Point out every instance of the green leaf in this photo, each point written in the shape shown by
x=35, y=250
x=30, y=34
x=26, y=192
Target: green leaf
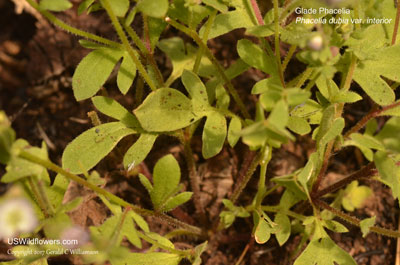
x=346, y=97
x=229, y=21
x=235, y=126
x=197, y=92
x=146, y=183
x=253, y=55
x=86, y=150
x=308, y=170
x=214, y=134
x=120, y=7
x=156, y=27
x=85, y=4
x=166, y=177
x=177, y=200
x=126, y=74
x=189, y=12
x=388, y=172
x=279, y=115
x=154, y=258
x=7, y=138
x=298, y=125
x=199, y=249
x=93, y=71
x=55, y=5
x=183, y=57
x=112, y=108
x=165, y=109
x=392, y=111
x=335, y=226
x=355, y=196
x=139, y=150
x=153, y=8
x=261, y=30
x=366, y=224
x=139, y=221
x=283, y=228
x=389, y=135
x=368, y=74
x=262, y=232
x=324, y=251
x=217, y=4
x=335, y=130
x=18, y=168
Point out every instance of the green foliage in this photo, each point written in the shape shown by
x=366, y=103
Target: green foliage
x=166, y=177
x=99, y=63
x=312, y=107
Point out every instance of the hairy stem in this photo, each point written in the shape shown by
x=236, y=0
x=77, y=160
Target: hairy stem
x=40, y=197
x=396, y=24
x=126, y=45
x=51, y=166
x=193, y=176
x=184, y=253
x=200, y=51
x=367, y=171
x=248, y=168
x=277, y=42
x=231, y=90
x=53, y=19
x=355, y=221
x=288, y=57
x=375, y=112
x=149, y=55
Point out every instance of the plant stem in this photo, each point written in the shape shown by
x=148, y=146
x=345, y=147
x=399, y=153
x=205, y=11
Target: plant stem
x=304, y=76
x=149, y=55
x=367, y=171
x=232, y=91
x=200, y=51
x=279, y=209
x=193, y=176
x=266, y=157
x=126, y=45
x=53, y=19
x=248, y=168
x=288, y=57
x=51, y=166
x=355, y=221
x=257, y=12
x=184, y=253
x=277, y=42
x=375, y=112
x=396, y=24
x=40, y=197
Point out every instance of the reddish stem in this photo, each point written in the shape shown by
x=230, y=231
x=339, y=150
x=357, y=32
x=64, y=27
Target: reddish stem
x=257, y=12
x=396, y=24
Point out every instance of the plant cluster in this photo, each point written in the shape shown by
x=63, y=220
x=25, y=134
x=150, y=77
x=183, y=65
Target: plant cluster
x=199, y=97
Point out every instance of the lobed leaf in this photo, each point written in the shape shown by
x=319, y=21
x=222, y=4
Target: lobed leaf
x=165, y=109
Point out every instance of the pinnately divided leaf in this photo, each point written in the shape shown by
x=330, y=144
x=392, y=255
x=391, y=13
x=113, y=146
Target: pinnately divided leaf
x=165, y=109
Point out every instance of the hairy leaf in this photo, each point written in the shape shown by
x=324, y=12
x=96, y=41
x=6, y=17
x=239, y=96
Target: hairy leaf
x=166, y=177
x=139, y=150
x=55, y=5
x=153, y=8
x=86, y=150
x=126, y=74
x=93, y=71
x=165, y=109
x=214, y=134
